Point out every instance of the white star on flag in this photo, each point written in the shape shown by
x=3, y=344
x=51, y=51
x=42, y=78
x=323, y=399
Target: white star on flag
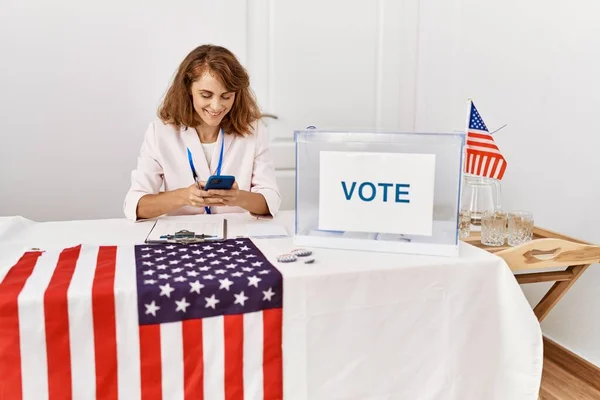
x=165, y=290
x=268, y=294
x=152, y=308
x=240, y=299
x=211, y=301
x=253, y=281
x=182, y=305
x=225, y=283
x=196, y=286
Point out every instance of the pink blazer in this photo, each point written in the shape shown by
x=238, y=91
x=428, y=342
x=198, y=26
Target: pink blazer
x=163, y=163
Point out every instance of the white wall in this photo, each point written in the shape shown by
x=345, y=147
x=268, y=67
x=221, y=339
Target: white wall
x=533, y=65
x=79, y=84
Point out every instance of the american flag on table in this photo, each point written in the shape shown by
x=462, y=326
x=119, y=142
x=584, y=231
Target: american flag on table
x=196, y=321
x=483, y=156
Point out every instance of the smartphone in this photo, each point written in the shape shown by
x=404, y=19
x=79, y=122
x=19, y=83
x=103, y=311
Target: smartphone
x=221, y=182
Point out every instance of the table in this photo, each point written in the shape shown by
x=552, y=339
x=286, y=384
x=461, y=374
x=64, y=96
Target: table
x=548, y=249
x=359, y=325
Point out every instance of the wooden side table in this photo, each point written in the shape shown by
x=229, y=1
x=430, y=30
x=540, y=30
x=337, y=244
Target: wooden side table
x=547, y=250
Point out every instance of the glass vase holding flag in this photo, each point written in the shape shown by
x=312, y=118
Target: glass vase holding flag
x=483, y=169
x=480, y=195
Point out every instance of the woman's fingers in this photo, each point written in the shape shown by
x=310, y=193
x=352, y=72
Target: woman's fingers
x=205, y=201
x=225, y=193
x=221, y=193
x=214, y=201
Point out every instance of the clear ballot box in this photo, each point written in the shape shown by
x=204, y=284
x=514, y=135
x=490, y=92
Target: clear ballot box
x=379, y=191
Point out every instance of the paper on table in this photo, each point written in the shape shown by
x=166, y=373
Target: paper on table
x=260, y=229
x=169, y=227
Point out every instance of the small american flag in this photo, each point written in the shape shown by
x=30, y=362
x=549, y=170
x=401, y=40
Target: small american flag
x=483, y=156
x=196, y=321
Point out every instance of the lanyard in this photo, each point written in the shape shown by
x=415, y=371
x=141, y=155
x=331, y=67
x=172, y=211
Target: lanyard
x=207, y=209
x=218, y=173
x=221, y=154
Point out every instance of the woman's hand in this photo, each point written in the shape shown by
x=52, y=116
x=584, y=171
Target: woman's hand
x=200, y=198
x=233, y=197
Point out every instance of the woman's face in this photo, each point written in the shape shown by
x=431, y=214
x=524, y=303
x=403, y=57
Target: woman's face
x=211, y=99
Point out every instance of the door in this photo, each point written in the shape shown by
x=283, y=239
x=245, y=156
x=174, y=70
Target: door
x=333, y=65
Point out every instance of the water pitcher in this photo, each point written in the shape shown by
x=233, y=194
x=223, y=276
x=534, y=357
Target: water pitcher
x=480, y=194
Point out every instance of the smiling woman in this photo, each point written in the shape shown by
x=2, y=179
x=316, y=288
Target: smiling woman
x=210, y=94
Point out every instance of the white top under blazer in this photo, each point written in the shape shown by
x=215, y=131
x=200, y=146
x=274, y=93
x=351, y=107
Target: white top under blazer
x=163, y=163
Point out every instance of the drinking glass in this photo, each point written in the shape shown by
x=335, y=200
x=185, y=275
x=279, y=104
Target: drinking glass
x=493, y=228
x=520, y=227
x=464, y=224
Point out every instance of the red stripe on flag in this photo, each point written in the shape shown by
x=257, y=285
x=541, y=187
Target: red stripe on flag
x=193, y=360
x=487, y=164
x=10, y=343
x=150, y=362
x=234, y=356
x=105, y=327
x=479, y=135
x=481, y=144
x=494, y=166
x=502, y=169
x=479, y=161
x=56, y=316
x=470, y=163
x=272, y=355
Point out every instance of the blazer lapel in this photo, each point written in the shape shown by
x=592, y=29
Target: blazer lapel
x=192, y=141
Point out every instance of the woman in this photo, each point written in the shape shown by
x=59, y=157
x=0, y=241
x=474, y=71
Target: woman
x=208, y=111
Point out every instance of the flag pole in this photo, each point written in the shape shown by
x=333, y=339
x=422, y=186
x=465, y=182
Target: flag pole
x=468, y=117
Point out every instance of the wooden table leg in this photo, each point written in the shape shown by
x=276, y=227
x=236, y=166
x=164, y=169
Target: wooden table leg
x=557, y=291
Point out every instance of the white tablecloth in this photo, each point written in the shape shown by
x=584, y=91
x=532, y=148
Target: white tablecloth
x=369, y=326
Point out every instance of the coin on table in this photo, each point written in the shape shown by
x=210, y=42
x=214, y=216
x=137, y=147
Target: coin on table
x=301, y=252
x=286, y=258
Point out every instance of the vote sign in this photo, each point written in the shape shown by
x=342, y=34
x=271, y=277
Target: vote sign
x=376, y=192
